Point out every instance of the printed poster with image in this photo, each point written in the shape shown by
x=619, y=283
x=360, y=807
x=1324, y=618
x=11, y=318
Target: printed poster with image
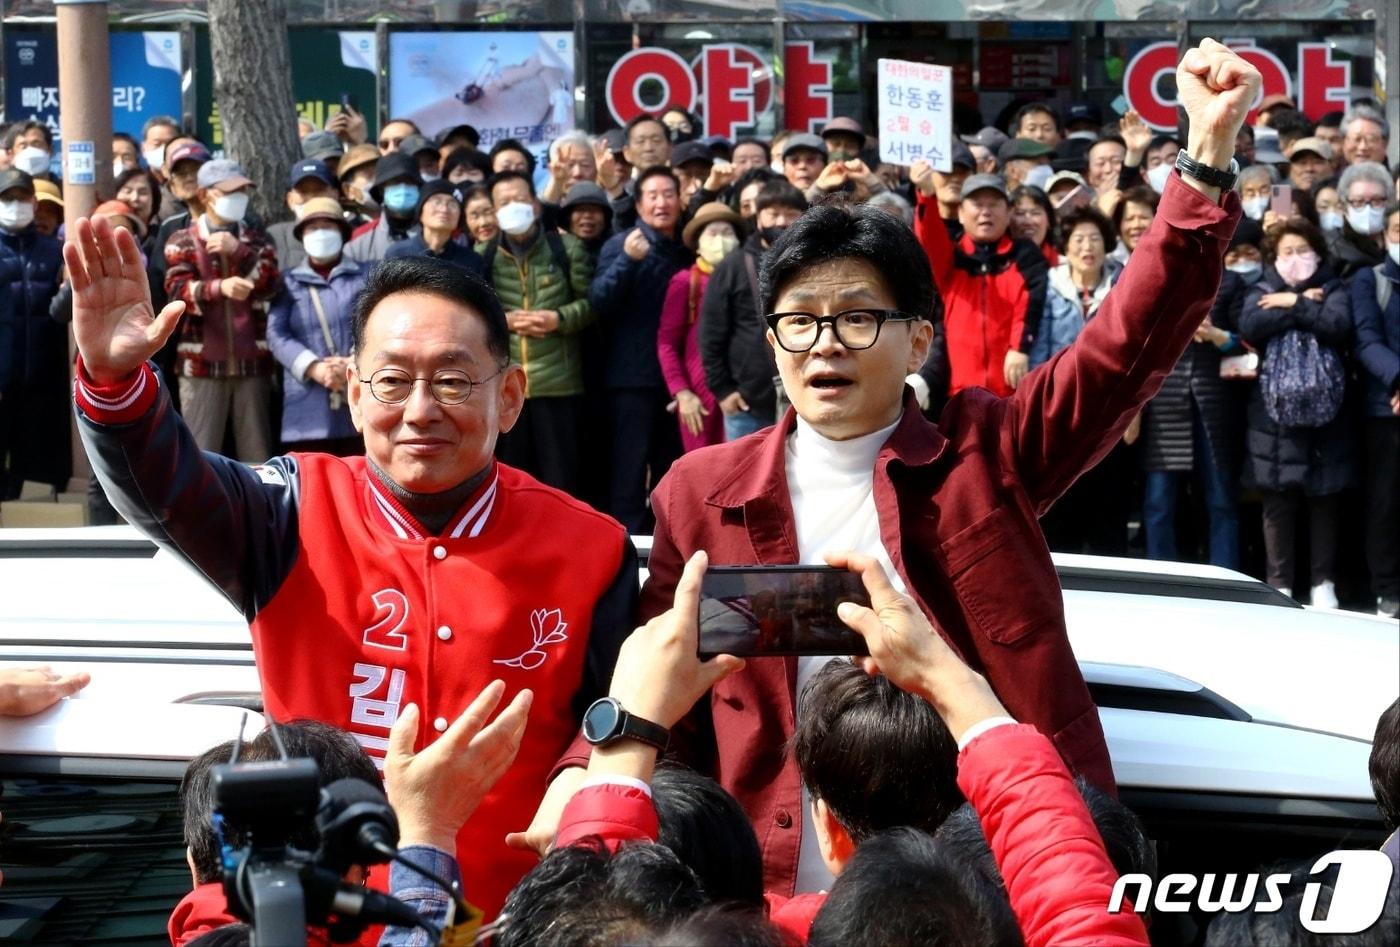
x=506, y=85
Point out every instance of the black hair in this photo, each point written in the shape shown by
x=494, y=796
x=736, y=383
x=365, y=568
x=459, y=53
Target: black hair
x=1260, y=926
x=432, y=277
x=466, y=158
x=710, y=832
x=724, y=925
x=1122, y=832
x=900, y=887
x=876, y=755
x=1033, y=108
x=750, y=140
x=641, y=118
x=1297, y=227
x=472, y=193
x=696, y=126
x=229, y=935
x=838, y=231
x=1384, y=764
x=778, y=192
x=512, y=144
x=1041, y=199
x=503, y=176
x=123, y=136
x=1291, y=124
x=405, y=121
x=1393, y=207
x=580, y=896
x=15, y=130
x=1086, y=214
x=120, y=182
x=1142, y=194
x=197, y=804
x=657, y=171
x=1332, y=119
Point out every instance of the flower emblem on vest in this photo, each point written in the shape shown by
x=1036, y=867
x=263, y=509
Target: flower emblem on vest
x=547, y=626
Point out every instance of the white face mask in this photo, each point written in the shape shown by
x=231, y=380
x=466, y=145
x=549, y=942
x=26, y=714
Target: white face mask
x=1366, y=220
x=715, y=247
x=322, y=244
x=231, y=207
x=1038, y=176
x=1330, y=220
x=1394, y=250
x=16, y=215
x=516, y=218
x=32, y=161
x=429, y=176
x=1254, y=207
x=155, y=157
x=1157, y=177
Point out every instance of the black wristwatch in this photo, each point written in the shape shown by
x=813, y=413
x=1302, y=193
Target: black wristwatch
x=605, y=723
x=1191, y=168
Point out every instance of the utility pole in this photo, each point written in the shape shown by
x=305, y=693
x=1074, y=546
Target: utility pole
x=85, y=125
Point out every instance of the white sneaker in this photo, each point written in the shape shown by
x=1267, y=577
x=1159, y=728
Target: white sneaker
x=1324, y=595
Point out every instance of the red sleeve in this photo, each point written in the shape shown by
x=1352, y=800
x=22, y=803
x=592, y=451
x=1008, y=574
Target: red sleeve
x=611, y=812
x=796, y=914
x=119, y=403
x=1051, y=857
x=670, y=335
x=933, y=235
x=267, y=279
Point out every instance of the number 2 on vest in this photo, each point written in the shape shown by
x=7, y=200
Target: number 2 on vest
x=392, y=607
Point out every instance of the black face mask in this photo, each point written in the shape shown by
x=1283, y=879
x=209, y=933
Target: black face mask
x=770, y=235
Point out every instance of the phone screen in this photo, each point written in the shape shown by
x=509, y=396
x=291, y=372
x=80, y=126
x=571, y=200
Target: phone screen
x=1281, y=200
x=778, y=610
x=1076, y=198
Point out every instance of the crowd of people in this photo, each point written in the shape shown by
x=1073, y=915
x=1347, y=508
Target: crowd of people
x=954, y=786
x=630, y=280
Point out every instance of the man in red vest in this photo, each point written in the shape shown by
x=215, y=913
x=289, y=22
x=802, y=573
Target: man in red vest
x=417, y=574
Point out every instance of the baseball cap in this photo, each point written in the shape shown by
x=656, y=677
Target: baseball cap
x=48, y=191
x=223, y=173
x=1060, y=176
x=984, y=182
x=121, y=209
x=688, y=151
x=803, y=141
x=988, y=137
x=322, y=145
x=416, y=144
x=192, y=151
x=1083, y=112
x=843, y=126
x=1315, y=146
x=12, y=178
x=1014, y=148
x=311, y=169
x=962, y=155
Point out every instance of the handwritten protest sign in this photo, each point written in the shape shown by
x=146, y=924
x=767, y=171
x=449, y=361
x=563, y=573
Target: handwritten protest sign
x=916, y=113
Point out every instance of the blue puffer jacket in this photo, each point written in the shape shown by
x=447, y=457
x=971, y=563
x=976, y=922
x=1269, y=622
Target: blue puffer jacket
x=627, y=295
x=31, y=344
x=1064, y=317
x=295, y=337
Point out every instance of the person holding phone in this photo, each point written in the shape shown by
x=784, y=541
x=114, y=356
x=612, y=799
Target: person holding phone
x=949, y=509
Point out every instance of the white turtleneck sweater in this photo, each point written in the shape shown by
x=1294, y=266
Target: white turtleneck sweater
x=831, y=484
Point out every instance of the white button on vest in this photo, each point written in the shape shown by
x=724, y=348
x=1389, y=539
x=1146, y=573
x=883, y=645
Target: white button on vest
x=439, y=552
x=440, y=724
x=445, y=633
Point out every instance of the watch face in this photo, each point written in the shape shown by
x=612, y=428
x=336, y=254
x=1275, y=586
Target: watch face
x=600, y=721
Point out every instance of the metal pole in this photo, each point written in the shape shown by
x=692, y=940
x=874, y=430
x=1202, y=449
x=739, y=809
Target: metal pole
x=85, y=121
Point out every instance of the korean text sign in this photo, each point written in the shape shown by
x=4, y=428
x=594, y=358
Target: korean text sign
x=916, y=113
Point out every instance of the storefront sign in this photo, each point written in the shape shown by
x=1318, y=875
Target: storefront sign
x=145, y=67
x=729, y=84
x=1322, y=86
x=916, y=113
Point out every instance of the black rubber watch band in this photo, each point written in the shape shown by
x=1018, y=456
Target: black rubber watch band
x=1191, y=168
x=644, y=731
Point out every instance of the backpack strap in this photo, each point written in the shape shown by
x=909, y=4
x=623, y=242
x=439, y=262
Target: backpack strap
x=561, y=259
x=488, y=260
x=1383, y=288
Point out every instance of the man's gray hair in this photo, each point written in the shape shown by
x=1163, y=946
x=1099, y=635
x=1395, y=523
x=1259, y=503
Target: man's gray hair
x=1364, y=171
x=575, y=138
x=892, y=203
x=156, y=121
x=1360, y=112
x=1267, y=171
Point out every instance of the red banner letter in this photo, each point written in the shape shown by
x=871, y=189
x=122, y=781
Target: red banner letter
x=1277, y=81
x=806, y=88
x=728, y=84
x=1323, y=85
x=1140, y=79
x=628, y=73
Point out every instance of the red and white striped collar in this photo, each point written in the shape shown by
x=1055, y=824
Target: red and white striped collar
x=385, y=510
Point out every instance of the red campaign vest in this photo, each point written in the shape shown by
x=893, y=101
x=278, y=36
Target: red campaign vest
x=374, y=616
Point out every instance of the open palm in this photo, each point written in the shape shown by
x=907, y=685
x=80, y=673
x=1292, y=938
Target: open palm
x=114, y=322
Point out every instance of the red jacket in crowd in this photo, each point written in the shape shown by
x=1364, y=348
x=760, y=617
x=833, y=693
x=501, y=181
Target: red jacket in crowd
x=992, y=299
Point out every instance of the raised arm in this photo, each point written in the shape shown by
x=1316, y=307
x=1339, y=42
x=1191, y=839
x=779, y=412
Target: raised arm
x=1063, y=418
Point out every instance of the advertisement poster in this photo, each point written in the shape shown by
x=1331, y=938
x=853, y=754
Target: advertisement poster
x=326, y=64
x=507, y=85
x=145, y=68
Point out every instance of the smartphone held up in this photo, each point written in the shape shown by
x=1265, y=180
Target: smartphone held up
x=756, y=611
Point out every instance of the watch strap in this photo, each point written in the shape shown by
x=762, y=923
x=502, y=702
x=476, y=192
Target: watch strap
x=644, y=731
x=1191, y=168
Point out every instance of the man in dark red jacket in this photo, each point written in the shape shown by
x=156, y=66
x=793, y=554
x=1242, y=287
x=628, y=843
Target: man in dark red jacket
x=950, y=510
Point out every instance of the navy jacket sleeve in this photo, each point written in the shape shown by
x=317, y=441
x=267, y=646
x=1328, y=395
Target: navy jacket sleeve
x=236, y=525
x=612, y=280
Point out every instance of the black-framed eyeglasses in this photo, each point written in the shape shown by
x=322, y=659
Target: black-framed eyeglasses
x=450, y=386
x=854, y=328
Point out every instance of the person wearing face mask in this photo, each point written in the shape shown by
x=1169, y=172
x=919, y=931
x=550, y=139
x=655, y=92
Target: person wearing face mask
x=396, y=188
x=734, y=350
x=1375, y=311
x=713, y=233
x=30, y=145
x=1254, y=184
x=33, y=348
x=439, y=223
x=125, y=154
x=1365, y=190
x=1243, y=257
x=542, y=278
x=156, y=135
x=1331, y=212
x=309, y=333
x=1297, y=465
x=225, y=272
x=308, y=180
